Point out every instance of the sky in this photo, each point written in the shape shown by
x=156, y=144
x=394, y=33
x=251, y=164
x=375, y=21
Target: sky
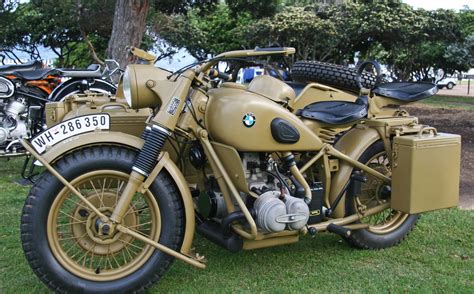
x=435, y=4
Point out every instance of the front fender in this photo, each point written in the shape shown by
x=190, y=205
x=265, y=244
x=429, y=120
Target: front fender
x=120, y=139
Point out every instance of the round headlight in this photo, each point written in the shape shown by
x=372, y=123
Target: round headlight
x=127, y=88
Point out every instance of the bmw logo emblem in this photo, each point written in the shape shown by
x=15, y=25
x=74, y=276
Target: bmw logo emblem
x=249, y=120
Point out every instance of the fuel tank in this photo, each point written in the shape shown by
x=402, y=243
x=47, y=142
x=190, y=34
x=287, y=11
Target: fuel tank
x=250, y=122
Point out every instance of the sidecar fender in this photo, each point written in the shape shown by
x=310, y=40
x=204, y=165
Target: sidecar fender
x=353, y=144
x=120, y=139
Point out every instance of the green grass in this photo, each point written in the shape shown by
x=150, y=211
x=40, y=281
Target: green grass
x=438, y=256
x=450, y=102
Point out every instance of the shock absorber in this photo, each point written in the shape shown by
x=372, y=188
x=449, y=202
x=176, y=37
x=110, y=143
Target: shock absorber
x=155, y=138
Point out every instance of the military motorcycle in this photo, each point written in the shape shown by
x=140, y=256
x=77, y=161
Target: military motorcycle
x=112, y=211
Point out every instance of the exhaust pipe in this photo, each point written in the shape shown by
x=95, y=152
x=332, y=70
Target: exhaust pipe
x=214, y=232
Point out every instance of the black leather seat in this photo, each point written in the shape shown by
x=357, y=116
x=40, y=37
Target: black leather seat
x=92, y=71
x=10, y=68
x=31, y=75
x=406, y=91
x=336, y=112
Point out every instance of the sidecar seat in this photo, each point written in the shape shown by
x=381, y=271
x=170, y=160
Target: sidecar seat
x=406, y=91
x=336, y=112
x=272, y=88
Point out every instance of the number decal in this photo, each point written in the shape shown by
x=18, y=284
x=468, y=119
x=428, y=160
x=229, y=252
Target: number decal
x=88, y=122
x=63, y=127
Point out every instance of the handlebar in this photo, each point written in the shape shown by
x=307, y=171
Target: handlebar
x=213, y=73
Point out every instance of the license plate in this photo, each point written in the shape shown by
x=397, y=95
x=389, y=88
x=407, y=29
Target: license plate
x=70, y=128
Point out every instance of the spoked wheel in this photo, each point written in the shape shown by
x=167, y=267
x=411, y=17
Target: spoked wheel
x=73, y=228
x=60, y=233
x=388, y=227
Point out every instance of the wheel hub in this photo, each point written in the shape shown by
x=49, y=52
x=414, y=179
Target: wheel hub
x=91, y=234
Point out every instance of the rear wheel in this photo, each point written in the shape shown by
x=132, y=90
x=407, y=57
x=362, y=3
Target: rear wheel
x=386, y=228
x=450, y=85
x=73, y=87
x=59, y=232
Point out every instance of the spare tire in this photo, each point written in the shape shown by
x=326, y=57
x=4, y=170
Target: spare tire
x=330, y=74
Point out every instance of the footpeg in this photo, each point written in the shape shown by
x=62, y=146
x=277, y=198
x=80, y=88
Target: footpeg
x=341, y=231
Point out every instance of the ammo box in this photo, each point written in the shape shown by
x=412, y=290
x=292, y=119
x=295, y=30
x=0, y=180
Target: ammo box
x=426, y=172
x=123, y=118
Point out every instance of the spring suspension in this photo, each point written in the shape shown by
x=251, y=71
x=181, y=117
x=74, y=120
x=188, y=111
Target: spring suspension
x=155, y=138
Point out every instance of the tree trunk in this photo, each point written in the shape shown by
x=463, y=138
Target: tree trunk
x=128, y=29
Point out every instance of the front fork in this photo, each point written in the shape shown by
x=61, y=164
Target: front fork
x=155, y=138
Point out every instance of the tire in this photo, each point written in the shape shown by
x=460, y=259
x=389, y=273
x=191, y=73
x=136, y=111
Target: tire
x=376, y=236
x=72, y=87
x=450, y=86
x=162, y=203
x=330, y=74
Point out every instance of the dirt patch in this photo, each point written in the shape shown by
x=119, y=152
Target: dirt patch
x=456, y=121
x=459, y=90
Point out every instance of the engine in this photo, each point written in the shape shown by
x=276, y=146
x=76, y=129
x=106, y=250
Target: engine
x=13, y=117
x=275, y=209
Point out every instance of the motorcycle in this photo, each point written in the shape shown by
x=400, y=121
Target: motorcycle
x=112, y=211
x=24, y=90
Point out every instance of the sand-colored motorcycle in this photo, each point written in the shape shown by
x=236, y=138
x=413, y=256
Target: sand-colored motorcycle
x=112, y=211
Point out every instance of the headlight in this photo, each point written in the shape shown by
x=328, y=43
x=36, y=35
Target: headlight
x=143, y=85
x=127, y=88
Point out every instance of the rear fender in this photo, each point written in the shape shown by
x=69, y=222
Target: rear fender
x=353, y=144
x=120, y=139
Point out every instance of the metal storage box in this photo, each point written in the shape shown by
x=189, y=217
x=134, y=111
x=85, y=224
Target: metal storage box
x=426, y=172
x=123, y=118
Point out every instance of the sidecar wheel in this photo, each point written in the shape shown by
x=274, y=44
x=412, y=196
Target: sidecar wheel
x=330, y=74
x=387, y=228
x=59, y=232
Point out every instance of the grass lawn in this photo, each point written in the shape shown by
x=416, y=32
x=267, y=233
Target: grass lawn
x=438, y=256
x=450, y=102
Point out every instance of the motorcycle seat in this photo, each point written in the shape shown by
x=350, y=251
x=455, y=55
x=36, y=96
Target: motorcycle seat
x=406, y=91
x=31, y=75
x=10, y=68
x=336, y=112
x=92, y=71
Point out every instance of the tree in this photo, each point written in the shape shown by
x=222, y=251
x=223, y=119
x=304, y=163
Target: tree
x=128, y=28
x=201, y=35
x=55, y=24
x=314, y=38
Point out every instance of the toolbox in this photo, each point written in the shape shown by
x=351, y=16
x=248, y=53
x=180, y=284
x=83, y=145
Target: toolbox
x=426, y=171
x=123, y=118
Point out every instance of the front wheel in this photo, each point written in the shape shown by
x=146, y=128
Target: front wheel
x=386, y=228
x=59, y=232
x=450, y=85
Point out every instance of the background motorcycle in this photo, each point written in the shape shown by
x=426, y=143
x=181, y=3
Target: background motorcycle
x=25, y=88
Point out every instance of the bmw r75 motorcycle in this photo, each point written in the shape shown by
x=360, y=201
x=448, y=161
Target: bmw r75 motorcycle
x=112, y=211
